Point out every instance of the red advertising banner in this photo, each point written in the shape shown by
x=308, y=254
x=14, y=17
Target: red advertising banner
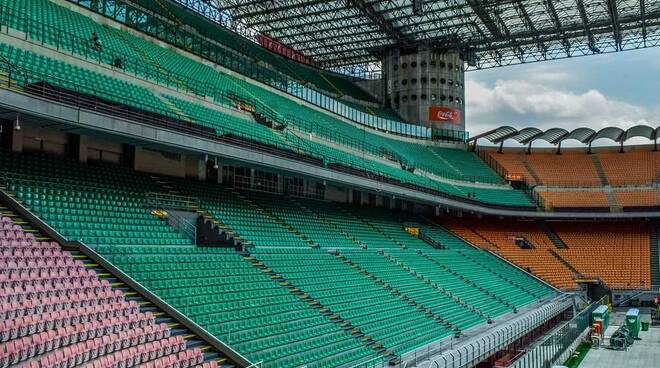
x=278, y=47
x=444, y=114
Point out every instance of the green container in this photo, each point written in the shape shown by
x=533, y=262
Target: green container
x=645, y=326
x=633, y=322
x=602, y=314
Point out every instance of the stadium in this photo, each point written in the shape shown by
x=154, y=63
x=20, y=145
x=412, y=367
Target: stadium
x=290, y=183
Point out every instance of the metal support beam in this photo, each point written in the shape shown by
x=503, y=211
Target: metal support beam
x=642, y=14
x=585, y=22
x=383, y=24
x=614, y=17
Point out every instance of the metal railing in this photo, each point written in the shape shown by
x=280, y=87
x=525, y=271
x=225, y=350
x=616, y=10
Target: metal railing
x=469, y=353
x=171, y=201
x=58, y=89
x=63, y=40
x=183, y=225
x=547, y=351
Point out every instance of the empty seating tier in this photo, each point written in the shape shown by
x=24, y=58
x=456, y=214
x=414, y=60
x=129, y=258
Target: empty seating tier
x=224, y=293
x=575, y=168
x=288, y=302
x=82, y=204
x=574, y=199
x=55, y=311
x=500, y=237
x=388, y=155
x=616, y=252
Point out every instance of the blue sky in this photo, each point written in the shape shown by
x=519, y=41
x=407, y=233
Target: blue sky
x=620, y=89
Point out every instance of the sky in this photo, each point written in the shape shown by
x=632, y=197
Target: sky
x=619, y=89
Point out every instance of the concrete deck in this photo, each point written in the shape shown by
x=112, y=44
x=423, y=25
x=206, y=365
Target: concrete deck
x=644, y=353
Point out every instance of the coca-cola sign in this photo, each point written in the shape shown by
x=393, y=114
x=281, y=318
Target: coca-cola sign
x=444, y=114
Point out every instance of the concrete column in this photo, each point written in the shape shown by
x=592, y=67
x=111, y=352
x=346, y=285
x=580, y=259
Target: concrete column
x=82, y=149
x=201, y=169
x=17, y=135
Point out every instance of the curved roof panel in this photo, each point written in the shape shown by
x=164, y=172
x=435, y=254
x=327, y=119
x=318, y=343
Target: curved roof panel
x=613, y=133
x=500, y=134
x=640, y=131
x=580, y=134
x=526, y=135
x=553, y=135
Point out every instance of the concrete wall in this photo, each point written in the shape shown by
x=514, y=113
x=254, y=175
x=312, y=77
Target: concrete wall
x=155, y=162
x=374, y=87
x=336, y=194
x=38, y=139
x=100, y=149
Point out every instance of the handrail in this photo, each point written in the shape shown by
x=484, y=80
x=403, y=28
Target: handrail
x=81, y=47
x=69, y=42
x=545, y=354
x=170, y=78
x=254, y=69
x=171, y=201
x=187, y=228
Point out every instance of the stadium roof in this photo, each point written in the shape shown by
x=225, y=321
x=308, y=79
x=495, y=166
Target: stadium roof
x=498, y=32
x=556, y=136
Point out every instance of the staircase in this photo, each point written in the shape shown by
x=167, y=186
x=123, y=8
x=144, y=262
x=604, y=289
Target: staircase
x=552, y=235
x=264, y=120
x=655, y=253
x=524, y=243
x=470, y=283
x=441, y=289
x=430, y=241
x=447, y=163
x=599, y=170
x=130, y=294
x=565, y=263
x=326, y=221
x=223, y=233
x=374, y=228
x=498, y=275
x=6, y=82
x=172, y=106
x=334, y=317
x=530, y=169
x=192, y=340
x=399, y=294
x=611, y=199
x=222, y=228
x=175, y=79
x=275, y=218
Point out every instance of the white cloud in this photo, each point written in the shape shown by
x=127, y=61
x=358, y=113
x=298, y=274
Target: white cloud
x=538, y=101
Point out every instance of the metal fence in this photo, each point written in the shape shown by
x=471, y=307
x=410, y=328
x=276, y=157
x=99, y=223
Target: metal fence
x=463, y=354
x=547, y=352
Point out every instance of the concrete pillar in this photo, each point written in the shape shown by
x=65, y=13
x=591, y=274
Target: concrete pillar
x=17, y=135
x=128, y=154
x=201, y=169
x=78, y=147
